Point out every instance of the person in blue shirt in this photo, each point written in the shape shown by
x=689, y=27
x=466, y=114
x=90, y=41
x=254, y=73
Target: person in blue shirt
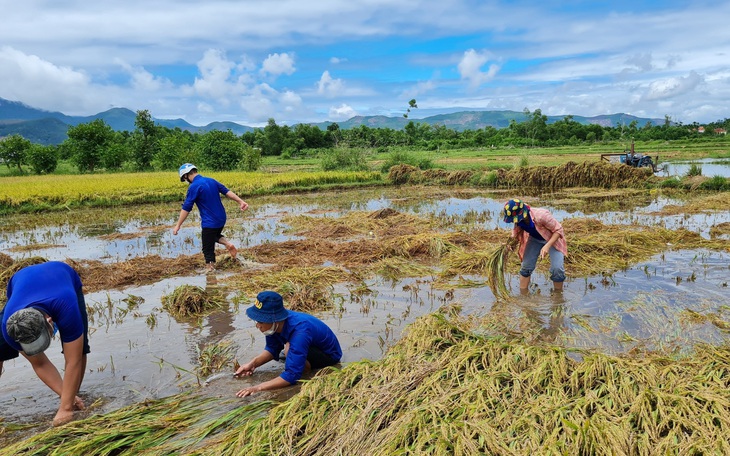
x=205, y=193
x=311, y=343
x=41, y=298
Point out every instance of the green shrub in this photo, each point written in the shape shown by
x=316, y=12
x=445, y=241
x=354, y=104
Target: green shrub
x=694, y=170
x=716, y=183
x=250, y=159
x=671, y=182
x=404, y=158
x=343, y=158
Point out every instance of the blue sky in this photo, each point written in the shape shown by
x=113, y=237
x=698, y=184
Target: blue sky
x=295, y=61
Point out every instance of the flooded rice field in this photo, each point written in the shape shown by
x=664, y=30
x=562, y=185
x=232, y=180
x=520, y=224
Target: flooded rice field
x=669, y=303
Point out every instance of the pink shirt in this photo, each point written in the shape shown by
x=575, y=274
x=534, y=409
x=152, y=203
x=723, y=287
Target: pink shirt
x=546, y=225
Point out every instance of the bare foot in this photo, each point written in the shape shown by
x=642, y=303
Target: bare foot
x=62, y=417
x=232, y=250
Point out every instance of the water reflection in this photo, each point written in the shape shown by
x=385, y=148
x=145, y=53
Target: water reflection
x=710, y=167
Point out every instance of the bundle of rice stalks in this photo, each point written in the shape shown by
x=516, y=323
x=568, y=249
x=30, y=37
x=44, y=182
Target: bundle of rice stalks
x=401, y=174
x=190, y=301
x=496, y=266
x=214, y=357
x=459, y=177
x=491, y=263
x=571, y=174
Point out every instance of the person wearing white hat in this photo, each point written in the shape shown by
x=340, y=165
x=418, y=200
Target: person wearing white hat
x=41, y=298
x=205, y=192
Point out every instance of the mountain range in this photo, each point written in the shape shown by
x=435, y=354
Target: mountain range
x=47, y=127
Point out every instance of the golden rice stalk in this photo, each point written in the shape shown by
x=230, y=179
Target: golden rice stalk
x=190, y=301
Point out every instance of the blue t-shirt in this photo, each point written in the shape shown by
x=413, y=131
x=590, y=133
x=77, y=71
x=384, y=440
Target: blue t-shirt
x=205, y=192
x=51, y=287
x=530, y=228
x=302, y=331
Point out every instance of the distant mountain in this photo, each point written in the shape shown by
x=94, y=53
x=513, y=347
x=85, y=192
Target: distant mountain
x=474, y=120
x=46, y=127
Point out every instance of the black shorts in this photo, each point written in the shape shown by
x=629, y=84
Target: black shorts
x=210, y=236
x=318, y=359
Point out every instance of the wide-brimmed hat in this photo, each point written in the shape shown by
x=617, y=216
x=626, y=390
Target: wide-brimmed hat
x=515, y=211
x=269, y=308
x=29, y=328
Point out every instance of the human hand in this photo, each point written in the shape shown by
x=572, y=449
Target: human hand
x=248, y=391
x=175, y=230
x=545, y=251
x=245, y=370
x=243, y=205
x=62, y=417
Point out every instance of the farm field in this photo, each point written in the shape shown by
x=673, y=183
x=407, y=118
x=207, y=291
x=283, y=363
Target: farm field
x=398, y=273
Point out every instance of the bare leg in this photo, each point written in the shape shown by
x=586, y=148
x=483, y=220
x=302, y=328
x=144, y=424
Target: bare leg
x=524, y=283
x=229, y=246
x=558, y=286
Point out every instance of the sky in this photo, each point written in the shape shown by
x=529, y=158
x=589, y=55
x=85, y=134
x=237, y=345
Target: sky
x=329, y=60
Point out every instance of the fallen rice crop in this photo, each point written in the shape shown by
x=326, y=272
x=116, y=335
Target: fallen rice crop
x=442, y=390
x=188, y=301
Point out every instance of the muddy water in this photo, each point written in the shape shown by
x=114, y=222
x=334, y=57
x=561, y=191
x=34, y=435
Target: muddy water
x=140, y=352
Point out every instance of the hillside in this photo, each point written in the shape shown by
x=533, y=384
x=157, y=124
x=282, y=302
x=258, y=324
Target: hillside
x=46, y=127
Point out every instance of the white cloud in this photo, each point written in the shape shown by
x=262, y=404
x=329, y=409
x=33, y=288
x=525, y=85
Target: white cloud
x=328, y=86
x=39, y=83
x=143, y=80
x=277, y=64
x=337, y=60
x=673, y=87
x=341, y=112
x=470, y=68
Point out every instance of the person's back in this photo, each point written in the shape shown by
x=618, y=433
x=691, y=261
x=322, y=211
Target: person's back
x=205, y=193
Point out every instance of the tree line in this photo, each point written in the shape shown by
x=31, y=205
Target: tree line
x=95, y=145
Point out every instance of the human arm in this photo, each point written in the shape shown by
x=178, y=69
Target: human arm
x=249, y=368
x=550, y=229
x=180, y=220
x=241, y=203
x=274, y=383
x=47, y=372
x=545, y=250
x=75, y=364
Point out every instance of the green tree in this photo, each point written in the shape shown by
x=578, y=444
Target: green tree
x=43, y=159
x=174, y=149
x=272, y=142
x=87, y=142
x=411, y=104
x=220, y=150
x=117, y=151
x=13, y=151
x=144, y=140
x=251, y=158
